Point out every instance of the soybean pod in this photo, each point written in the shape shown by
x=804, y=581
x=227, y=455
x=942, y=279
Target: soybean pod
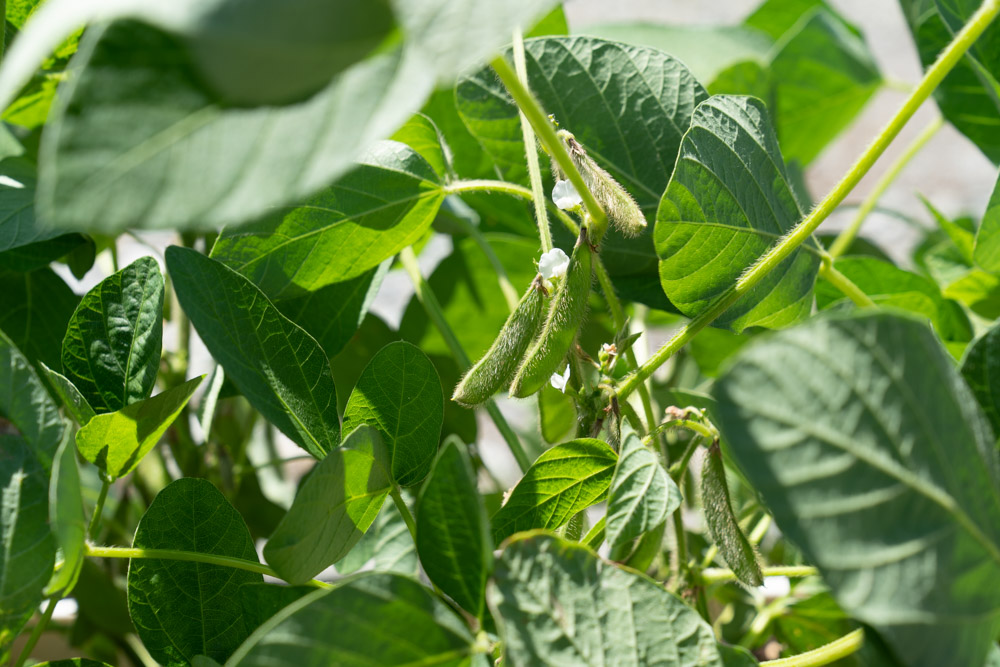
x=736, y=550
x=566, y=312
x=497, y=367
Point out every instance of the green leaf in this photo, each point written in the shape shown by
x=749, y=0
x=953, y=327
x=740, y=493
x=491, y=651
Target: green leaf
x=728, y=202
x=422, y=135
x=262, y=601
x=67, y=517
x=641, y=496
x=73, y=662
x=888, y=285
x=556, y=415
x=871, y=453
x=969, y=97
x=987, y=248
x=395, y=550
x=38, y=308
x=563, y=481
x=26, y=403
x=382, y=206
x=399, y=394
x=182, y=608
x=374, y=619
x=116, y=441
x=824, y=75
x=111, y=350
x=639, y=103
x=27, y=550
x=280, y=369
x=334, y=507
x=76, y=405
x=559, y=604
x=453, y=531
x=333, y=314
x=981, y=369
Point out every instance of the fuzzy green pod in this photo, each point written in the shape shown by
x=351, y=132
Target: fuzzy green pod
x=621, y=209
x=497, y=367
x=565, y=315
x=734, y=546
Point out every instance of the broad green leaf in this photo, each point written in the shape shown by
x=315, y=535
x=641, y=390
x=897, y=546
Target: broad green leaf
x=736, y=656
x=399, y=394
x=334, y=507
x=824, y=74
x=556, y=415
x=73, y=662
x=333, y=314
x=862, y=438
x=37, y=309
x=182, y=608
x=39, y=255
x=280, y=369
x=262, y=601
x=969, y=97
x=888, y=285
x=383, y=205
x=76, y=405
x=116, y=441
x=27, y=550
x=111, y=350
x=628, y=105
x=563, y=481
x=559, y=604
x=987, y=248
x=641, y=496
x=374, y=619
x=67, y=517
x=453, y=531
x=728, y=201
x=776, y=17
x=981, y=369
x=25, y=402
x=395, y=550
x=422, y=135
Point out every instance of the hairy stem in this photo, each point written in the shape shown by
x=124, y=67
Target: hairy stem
x=193, y=556
x=533, y=111
x=849, y=233
x=824, y=655
x=95, y=518
x=404, y=511
x=715, y=575
x=531, y=150
x=803, y=231
x=36, y=632
x=845, y=285
x=433, y=308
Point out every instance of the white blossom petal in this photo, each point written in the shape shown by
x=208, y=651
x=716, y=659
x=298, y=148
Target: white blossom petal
x=565, y=196
x=553, y=264
x=559, y=381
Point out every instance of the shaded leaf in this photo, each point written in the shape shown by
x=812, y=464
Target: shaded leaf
x=182, y=608
x=111, y=350
x=332, y=510
x=558, y=604
x=421, y=134
x=556, y=415
x=26, y=403
x=453, y=531
x=280, y=369
x=38, y=308
x=728, y=202
x=67, y=517
x=378, y=619
x=76, y=405
x=117, y=441
x=399, y=394
x=987, y=248
x=641, y=496
x=981, y=369
x=869, y=449
x=262, y=601
x=563, y=481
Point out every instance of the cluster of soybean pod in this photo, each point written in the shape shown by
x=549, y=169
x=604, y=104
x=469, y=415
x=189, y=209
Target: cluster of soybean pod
x=537, y=337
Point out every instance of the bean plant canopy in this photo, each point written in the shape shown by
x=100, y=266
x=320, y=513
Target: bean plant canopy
x=442, y=332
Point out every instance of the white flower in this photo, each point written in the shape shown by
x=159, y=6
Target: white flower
x=552, y=265
x=775, y=587
x=565, y=195
x=559, y=381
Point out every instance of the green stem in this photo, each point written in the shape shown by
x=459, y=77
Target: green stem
x=824, y=655
x=698, y=427
x=714, y=575
x=595, y=535
x=804, y=230
x=192, y=556
x=95, y=518
x=533, y=111
x=849, y=233
x=433, y=308
x=531, y=150
x=845, y=285
x=678, y=469
x=36, y=632
x=404, y=511
x=510, y=294
x=760, y=530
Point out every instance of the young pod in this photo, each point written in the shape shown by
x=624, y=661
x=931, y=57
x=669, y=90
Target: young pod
x=497, y=367
x=622, y=210
x=565, y=315
x=736, y=550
